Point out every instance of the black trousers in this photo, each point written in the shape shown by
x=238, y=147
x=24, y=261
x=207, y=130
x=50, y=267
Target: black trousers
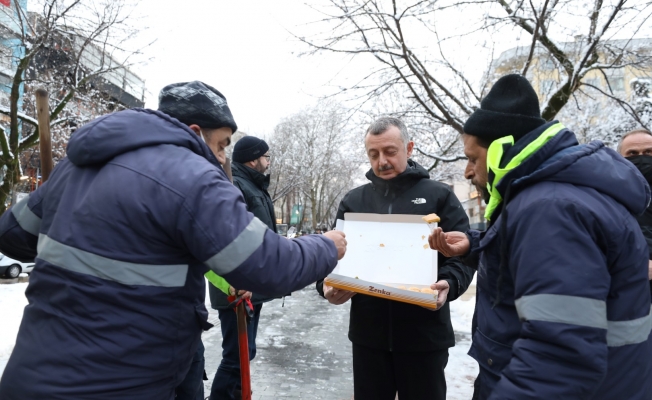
x=379, y=374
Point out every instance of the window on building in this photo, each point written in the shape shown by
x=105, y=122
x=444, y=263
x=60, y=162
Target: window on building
x=547, y=64
x=546, y=86
x=6, y=59
x=5, y=83
x=593, y=82
x=617, y=84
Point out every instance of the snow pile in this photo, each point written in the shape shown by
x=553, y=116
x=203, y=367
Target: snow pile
x=12, y=303
x=462, y=314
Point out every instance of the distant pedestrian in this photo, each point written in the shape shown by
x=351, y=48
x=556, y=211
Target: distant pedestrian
x=636, y=146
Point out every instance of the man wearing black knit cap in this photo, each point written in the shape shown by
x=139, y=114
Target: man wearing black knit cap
x=563, y=304
x=250, y=162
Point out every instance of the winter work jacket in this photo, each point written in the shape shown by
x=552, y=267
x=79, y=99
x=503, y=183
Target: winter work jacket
x=126, y=227
x=390, y=325
x=563, y=308
x=253, y=186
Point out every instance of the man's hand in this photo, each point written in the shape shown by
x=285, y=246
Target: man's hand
x=449, y=244
x=243, y=293
x=336, y=296
x=442, y=289
x=649, y=270
x=338, y=237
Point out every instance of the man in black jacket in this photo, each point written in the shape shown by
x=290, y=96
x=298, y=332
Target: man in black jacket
x=250, y=162
x=399, y=347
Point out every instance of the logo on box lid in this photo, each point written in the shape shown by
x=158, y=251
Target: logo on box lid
x=380, y=291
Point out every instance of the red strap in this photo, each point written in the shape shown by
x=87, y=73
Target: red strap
x=251, y=306
x=231, y=299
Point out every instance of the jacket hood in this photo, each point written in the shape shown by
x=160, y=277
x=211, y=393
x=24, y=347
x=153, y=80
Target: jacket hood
x=412, y=173
x=106, y=137
x=592, y=165
x=250, y=174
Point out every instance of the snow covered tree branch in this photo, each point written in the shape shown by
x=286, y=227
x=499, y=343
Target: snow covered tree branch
x=69, y=48
x=416, y=66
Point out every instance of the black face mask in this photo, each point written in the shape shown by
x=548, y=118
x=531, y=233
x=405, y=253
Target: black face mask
x=644, y=165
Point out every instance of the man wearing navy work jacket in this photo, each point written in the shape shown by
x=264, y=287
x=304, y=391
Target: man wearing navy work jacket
x=563, y=309
x=123, y=233
x=399, y=347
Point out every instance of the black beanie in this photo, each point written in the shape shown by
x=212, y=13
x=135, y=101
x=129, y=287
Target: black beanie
x=196, y=103
x=249, y=148
x=510, y=108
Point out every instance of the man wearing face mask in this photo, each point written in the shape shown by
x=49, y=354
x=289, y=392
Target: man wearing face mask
x=636, y=146
x=250, y=163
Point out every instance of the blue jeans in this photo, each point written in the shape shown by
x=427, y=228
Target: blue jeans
x=192, y=387
x=227, y=377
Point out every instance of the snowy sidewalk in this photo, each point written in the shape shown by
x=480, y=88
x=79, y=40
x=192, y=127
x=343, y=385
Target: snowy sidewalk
x=303, y=349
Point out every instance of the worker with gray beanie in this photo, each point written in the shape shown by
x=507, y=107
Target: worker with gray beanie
x=563, y=303
x=122, y=234
x=251, y=161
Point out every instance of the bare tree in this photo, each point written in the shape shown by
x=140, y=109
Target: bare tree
x=597, y=35
x=594, y=118
x=69, y=47
x=314, y=158
x=413, y=60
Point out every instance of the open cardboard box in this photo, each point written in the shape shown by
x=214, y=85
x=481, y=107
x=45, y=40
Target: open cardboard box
x=386, y=256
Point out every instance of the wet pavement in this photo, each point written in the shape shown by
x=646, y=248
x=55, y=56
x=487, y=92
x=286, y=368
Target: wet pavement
x=20, y=279
x=303, y=351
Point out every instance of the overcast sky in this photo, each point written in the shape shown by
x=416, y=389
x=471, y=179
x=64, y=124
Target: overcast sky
x=245, y=49
x=242, y=48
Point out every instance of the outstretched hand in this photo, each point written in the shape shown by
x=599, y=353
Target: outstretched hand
x=449, y=244
x=338, y=238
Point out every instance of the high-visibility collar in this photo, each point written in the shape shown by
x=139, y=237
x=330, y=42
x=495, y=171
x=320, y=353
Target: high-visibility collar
x=495, y=154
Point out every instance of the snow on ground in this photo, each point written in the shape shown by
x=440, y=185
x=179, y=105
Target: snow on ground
x=291, y=343
x=12, y=303
x=462, y=314
x=461, y=370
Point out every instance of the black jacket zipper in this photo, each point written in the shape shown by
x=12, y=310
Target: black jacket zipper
x=390, y=308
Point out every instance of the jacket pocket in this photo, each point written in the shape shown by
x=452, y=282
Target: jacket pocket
x=491, y=355
x=202, y=317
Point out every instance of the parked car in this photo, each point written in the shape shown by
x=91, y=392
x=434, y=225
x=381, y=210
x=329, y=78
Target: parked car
x=10, y=268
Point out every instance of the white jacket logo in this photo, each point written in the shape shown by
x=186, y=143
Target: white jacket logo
x=419, y=201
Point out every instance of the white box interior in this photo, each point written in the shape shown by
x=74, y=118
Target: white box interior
x=389, y=249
